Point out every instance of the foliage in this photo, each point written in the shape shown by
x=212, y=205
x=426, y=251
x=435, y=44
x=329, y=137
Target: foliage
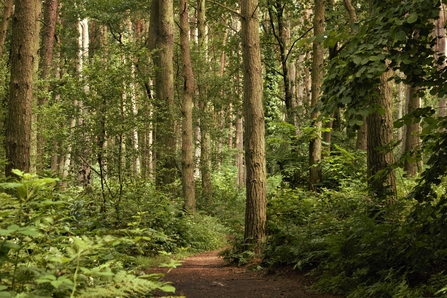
x=333, y=235
x=40, y=255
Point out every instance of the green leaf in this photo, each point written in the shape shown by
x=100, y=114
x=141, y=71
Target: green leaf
x=28, y=231
x=412, y=18
x=169, y=289
x=400, y=35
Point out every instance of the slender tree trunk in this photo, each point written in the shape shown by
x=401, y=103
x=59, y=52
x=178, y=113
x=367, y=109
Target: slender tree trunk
x=411, y=165
x=45, y=64
x=187, y=104
x=399, y=109
x=441, y=51
x=204, y=106
x=5, y=23
x=255, y=213
x=23, y=56
x=240, y=151
x=317, y=78
x=381, y=176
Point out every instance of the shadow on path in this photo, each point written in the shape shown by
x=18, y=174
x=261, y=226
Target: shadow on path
x=207, y=276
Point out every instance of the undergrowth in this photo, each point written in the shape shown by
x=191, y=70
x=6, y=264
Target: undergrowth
x=55, y=243
x=333, y=235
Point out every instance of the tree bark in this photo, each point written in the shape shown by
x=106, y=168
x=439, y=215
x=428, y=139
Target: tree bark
x=187, y=104
x=161, y=39
x=5, y=23
x=255, y=213
x=23, y=56
x=317, y=78
x=381, y=176
x=441, y=51
x=205, y=138
x=411, y=165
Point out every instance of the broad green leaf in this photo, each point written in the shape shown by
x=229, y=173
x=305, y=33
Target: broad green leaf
x=28, y=231
x=412, y=18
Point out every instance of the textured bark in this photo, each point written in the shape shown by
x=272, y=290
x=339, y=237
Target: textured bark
x=317, y=79
x=255, y=213
x=187, y=104
x=161, y=39
x=23, y=56
x=411, y=165
x=381, y=177
x=5, y=23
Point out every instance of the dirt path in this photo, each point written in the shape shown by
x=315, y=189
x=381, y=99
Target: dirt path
x=207, y=276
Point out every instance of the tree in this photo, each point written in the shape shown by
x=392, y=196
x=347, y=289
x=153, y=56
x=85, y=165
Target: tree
x=4, y=24
x=187, y=104
x=204, y=107
x=255, y=213
x=412, y=130
x=45, y=63
x=381, y=176
x=161, y=40
x=23, y=57
x=317, y=79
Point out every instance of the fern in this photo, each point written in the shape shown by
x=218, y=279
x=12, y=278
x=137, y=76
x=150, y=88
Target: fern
x=126, y=285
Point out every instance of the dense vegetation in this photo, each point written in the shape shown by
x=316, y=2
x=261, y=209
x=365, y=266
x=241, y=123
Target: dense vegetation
x=94, y=213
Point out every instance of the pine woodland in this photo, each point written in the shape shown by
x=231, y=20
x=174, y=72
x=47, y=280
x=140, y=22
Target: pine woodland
x=311, y=133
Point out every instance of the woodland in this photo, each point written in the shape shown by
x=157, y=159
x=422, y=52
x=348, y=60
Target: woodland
x=309, y=134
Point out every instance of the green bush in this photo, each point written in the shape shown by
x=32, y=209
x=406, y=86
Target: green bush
x=40, y=256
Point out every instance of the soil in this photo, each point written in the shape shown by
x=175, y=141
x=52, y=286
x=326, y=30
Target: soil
x=208, y=276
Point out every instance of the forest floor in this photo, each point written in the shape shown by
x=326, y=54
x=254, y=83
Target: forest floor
x=208, y=276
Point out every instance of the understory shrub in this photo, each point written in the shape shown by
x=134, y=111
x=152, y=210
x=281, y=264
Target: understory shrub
x=332, y=234
x=56, y=243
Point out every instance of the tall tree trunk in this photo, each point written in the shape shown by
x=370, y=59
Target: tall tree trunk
x=5, y=23
x=317, y=78
x=45, y=64
x=411, y=165
x=381, y=176
x=161, y=39
x=441, y=51
x=23, y=55
x=187, y=104
x=204, y=106
x=276, y=13
x=254, y=139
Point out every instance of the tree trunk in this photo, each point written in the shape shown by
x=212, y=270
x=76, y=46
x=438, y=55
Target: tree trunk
x=205, y=138
x=411, y=165
x=4, y=25
x=441, y=51
x=23, y=55
x=381, y=177
x=161, y=39
x=187, y=104
x=255, y=213
x=45, y=64
x=317, y=78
